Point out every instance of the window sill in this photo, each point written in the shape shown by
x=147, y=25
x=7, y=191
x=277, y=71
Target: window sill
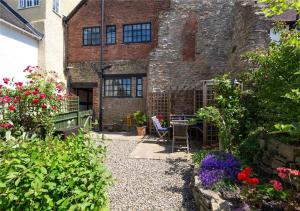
x=24, y=8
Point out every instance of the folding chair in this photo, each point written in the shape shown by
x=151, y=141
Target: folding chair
x=161, y=131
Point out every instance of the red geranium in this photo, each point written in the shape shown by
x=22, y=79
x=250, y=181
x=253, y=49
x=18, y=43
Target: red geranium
x=35, y=101
x=19, y=84
x=27, y=92
x=242, y=176
x=1, y=86
x=54, y=107
x=35, y=92
x=6, y=99
x=252, y=181
x=276, y=184
x=44, y=106
x=42, y=96
x=12, y=107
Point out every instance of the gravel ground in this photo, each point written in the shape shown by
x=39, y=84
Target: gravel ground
x=144, y=184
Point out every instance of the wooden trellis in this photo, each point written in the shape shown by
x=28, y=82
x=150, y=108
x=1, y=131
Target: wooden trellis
x=186, y=102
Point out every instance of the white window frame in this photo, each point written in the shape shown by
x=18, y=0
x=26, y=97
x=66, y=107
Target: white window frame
x=28, y=3
x=55, y=6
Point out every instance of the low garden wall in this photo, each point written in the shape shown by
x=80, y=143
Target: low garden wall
x=277, y=154
x=207, y=200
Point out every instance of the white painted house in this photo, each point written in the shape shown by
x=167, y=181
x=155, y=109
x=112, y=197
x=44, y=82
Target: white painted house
x=19, y=43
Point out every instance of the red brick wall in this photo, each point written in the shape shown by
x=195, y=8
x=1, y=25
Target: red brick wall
x=117, y=12
x=189, y=37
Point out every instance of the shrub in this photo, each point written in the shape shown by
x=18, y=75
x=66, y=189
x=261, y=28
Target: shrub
x=53, y=175
x=140, y=118
x=30, y=106
x=217, y=167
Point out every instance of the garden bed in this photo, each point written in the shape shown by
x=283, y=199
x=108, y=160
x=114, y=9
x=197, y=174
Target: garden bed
x=205, y=199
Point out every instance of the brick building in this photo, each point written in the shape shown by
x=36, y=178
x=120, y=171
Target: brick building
x=155, y=46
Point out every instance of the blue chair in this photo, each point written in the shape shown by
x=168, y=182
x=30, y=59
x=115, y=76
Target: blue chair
x=161, y=131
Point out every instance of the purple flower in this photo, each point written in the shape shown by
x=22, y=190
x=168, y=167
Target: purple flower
x=217, y=166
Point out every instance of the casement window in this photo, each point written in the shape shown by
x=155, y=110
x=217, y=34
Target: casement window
x=55, y=6
x=91, y=36
x=139, y=87
x=117, y=87
x=111, y=34
x=136, y=33
x=28, y=3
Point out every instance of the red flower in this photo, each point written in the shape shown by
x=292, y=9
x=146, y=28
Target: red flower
x=6, y=80
x=17, y=99
x=35, y=92
x=276, y=184
x=6, y=125
x=6, y=99
x=247, y=171
x=1, y=86
x=54, y=107
x=44, y=106
x=31, y=81
x=12, y=107
x=252, y=181
x=35, y=101
x=42, y=96
x=242, y=176
x=28, y=69
x=19, y=84
x=27, y=92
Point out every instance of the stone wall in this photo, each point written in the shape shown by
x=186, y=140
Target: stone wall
x=199, y=39
x=250, y=32
x=277, y=154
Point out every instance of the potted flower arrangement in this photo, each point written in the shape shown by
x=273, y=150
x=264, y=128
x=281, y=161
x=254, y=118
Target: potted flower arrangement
x=141, y=120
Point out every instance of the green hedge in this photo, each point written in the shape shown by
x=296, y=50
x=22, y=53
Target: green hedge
x=52, y=174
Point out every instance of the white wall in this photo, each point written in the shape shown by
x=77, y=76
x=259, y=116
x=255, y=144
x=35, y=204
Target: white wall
x=17, y=51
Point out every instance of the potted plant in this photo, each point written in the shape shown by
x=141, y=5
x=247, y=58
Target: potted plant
x=140, y=119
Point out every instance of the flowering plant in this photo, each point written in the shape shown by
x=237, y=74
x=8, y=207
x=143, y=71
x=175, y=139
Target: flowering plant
x=217, y=167
x=30, y=105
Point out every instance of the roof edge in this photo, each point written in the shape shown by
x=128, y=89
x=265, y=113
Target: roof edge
x=75, y=10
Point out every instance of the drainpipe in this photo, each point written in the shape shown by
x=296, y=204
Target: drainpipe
x=101, y=74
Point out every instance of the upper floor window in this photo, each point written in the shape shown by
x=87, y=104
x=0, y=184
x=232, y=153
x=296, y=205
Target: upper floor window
x=28, y=3
x=91, y=36
x=117, y=87
x=134, y=33
x=55, y=6
x=111, y=34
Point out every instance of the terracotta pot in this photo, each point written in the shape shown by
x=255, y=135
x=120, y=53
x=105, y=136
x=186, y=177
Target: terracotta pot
x=141, y=131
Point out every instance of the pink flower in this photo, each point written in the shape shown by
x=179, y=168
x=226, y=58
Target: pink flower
x=295, y=172
x=6, y=125
x=12, y=107
x=44, y=106
x=59, y=87
x=28, y=69
x=276, y=184
x=6, y=99
x=282, y=175
x=6, y=80
x=54, y=107
x=17, y=99
x=42, y=96
x=1, y=86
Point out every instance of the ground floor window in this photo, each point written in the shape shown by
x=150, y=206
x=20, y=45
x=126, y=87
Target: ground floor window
x=117, y=87
x=85, y=98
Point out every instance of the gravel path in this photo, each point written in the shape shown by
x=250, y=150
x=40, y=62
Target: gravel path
x=143, y=184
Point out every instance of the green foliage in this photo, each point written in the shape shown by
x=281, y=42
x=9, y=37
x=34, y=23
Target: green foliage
x=277, y=7
x=52, y=174
x=226, y=113
x=199, y=156
x=140, y=118
x=275, y=83
x=269, y=191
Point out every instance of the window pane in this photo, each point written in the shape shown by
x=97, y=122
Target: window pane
x=91, y=36
x=137, y=33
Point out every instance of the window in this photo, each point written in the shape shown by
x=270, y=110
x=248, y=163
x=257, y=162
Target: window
x=110, y=34
x=119, y=87
x=91, y=36
x=28, y=3
x=55, y=6
x=134, y=33
x=139, y=87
